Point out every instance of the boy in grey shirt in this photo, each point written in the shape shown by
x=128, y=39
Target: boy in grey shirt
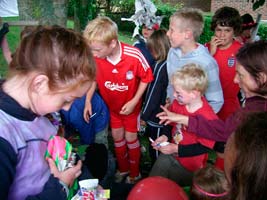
x=185, y=27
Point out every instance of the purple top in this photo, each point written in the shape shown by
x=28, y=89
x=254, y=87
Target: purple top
x=219, y=130
x=23, y=142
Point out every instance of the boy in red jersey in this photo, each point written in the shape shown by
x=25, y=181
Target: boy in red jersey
x=226, y=23
x=122, y=77
x=187, y=152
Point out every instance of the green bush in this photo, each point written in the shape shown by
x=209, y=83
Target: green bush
x=124, y=26
x=263, y=31
x=70, y=8
x=118, y=6
x=166, y=10
x=127, y=8
x=207, y=33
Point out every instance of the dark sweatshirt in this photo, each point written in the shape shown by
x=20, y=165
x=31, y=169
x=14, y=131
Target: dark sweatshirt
x=219, y=130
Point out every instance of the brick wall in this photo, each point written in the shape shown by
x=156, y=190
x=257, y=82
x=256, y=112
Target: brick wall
x=242, y=6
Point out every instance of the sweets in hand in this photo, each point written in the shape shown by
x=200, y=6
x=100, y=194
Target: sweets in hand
x=161, y=144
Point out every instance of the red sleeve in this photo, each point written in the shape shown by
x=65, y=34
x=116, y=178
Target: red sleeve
x=145, y=73
x=207, y=112
x=207, y=45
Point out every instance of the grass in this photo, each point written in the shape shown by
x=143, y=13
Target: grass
x=126, y=37
x=13, y=38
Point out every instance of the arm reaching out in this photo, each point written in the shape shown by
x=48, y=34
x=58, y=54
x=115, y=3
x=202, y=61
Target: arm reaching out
x=166, y=117
x=87, y=112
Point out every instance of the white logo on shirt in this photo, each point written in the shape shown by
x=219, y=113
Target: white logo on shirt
x=115, y=71
x=115, y=86
x=129, y=75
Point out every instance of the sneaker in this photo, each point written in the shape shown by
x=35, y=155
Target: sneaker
x=119, y=176
x=133, y=180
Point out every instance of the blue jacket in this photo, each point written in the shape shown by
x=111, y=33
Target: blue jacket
x=156, y=94
x=141, y=45
x=98, y=122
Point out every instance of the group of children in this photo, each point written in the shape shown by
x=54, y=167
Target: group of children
x=53, y=69
x=188, y=91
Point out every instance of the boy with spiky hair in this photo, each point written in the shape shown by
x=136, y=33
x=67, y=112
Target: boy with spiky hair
x=185, y=27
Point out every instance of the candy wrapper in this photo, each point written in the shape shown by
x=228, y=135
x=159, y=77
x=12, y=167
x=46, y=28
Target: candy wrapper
x=89, y=190
x=60, y=150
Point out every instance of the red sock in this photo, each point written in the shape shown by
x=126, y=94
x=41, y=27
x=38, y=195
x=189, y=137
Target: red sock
x=121, y=155
x=219, y=163
x=134, y=157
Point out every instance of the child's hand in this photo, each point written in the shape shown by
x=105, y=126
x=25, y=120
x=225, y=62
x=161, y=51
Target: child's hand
x=142, y=123
x=156, y=144
x=169, y=149
x=69, y=175
x=128, y=107
x=87, y=112
x=214, y=43
x=166, y=116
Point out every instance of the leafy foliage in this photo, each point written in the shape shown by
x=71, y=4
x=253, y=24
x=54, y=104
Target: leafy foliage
x=127, y=8
x=118, y=6
x=70, y=8
x=83, y=11
x=263, y=31
x=257, y=3
x=207, y=33
x=166, y=10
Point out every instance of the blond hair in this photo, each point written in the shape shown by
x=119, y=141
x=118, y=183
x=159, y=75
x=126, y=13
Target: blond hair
x=191, y=77
x=191, y=19
x=101, y=29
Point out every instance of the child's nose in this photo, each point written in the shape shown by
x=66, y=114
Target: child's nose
x=236, y=79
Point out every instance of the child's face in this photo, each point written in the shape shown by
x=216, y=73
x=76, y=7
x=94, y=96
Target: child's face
x=175, y=33
x=45, y=101
x=183, y=97
x=100, y=49
x=146, y=32
x=225, y=35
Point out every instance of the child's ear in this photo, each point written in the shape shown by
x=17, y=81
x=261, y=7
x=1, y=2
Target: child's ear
x=113, y=43
x=40, y=84
x=195, y=94
x=188, y=34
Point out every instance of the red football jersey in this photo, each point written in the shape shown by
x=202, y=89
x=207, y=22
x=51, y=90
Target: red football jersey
x=226, y=61
x=193, y=163
x=118, y=82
